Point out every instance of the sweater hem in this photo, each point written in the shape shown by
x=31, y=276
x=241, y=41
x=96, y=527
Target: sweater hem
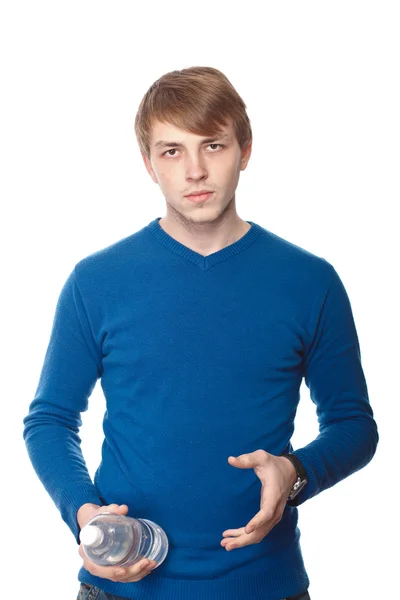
x=276, y=582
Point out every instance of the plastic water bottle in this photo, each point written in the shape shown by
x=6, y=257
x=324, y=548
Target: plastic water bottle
x=111, y=539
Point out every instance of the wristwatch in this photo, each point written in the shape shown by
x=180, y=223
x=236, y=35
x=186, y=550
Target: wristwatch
x=301, y=480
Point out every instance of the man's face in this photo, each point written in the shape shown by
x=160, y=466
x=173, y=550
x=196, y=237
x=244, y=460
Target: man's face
x=190, y=164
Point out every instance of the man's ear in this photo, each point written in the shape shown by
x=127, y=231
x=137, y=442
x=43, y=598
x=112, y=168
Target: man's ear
x=246, y=153
x=149, y=168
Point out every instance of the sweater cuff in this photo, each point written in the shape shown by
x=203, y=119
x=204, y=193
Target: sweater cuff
x=70, y=502
x=313, y=477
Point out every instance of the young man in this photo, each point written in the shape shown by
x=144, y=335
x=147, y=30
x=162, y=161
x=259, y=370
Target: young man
x=201, y=327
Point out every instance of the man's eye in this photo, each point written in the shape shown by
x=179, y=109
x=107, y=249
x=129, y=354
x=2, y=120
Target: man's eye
x=174, y=149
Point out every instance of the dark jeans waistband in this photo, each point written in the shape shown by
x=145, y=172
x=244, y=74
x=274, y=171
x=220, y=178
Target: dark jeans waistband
x=90, y=592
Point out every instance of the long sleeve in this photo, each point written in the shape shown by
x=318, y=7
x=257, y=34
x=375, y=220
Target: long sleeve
x=72, y=365
x=348, y=434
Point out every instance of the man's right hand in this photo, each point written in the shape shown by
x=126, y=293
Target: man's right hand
x=129, y=574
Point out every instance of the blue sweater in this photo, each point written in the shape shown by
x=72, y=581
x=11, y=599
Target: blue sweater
x=200, y=358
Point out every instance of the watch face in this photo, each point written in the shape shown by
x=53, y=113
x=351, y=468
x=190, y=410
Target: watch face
x=298, y=486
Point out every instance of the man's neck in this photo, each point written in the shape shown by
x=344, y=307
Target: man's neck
x=205, y=244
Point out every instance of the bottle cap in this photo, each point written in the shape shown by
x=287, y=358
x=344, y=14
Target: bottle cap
x=91, y=535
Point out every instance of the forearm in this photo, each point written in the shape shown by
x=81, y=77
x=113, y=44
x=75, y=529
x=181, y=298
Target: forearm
x=341, y=449
x=71, y=367
x=54, y=450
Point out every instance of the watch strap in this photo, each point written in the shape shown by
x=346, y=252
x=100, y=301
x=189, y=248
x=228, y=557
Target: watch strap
x=301, y=481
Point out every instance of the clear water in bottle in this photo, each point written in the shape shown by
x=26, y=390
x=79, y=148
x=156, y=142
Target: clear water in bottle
x=111, y=539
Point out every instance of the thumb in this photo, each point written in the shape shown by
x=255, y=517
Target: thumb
x=243, y=461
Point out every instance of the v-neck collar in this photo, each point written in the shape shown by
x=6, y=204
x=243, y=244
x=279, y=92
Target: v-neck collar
x=205, y=262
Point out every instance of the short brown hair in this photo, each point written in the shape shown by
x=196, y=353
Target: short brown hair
x=196, y=99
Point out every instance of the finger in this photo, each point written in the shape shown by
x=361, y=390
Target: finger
x=237, y=542
x=253, y=524
x=116, y=574
x=233, y=532
x=245, y=539
x=233, y=535
x=81, y=552
x=261, y=519
x=135, y=572
x=98, y=570
x=115, y=507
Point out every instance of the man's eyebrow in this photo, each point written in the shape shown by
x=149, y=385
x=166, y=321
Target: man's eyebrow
x=163, y=144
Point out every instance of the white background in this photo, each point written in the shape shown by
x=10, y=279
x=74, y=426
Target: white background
x=321, y=85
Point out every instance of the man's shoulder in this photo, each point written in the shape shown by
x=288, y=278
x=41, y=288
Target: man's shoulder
x=292, y=256
x=113, y=256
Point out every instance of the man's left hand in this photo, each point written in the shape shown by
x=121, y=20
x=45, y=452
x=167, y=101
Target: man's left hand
x=277, y=476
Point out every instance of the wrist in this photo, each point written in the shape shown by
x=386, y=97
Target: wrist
x=290, y=470
x=301, y=480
